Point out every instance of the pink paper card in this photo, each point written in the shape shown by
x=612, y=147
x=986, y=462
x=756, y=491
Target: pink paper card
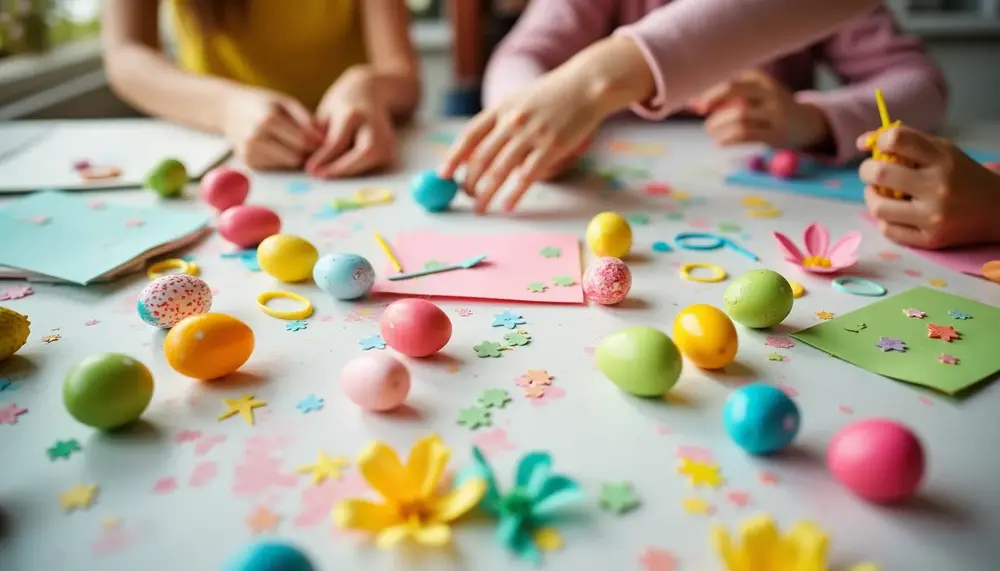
x=515, y=268
x=966, y=260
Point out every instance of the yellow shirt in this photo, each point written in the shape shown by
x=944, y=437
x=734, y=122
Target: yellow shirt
x=296, y=47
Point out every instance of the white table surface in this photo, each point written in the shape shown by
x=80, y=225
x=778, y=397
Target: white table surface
x=595, y=432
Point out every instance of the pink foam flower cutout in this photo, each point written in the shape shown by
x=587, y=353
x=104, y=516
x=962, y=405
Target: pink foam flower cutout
x=820, y=257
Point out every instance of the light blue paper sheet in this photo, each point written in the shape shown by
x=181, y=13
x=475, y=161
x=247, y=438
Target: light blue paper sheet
x=62, y=235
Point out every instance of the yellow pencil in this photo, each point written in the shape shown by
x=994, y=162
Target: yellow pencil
x=388, y=252
x=882, y=111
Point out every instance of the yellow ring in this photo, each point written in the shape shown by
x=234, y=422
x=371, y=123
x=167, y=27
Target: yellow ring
x=719, y=275
x=292, y=314
x=156, y=270
x=797, y=289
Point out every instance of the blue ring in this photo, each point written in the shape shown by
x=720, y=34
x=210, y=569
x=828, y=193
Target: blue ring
x=682, y=241
x=876, y=289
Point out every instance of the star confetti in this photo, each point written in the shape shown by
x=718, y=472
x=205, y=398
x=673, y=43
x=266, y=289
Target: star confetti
x=78, y=497
x=947, y=359
x=372, y=342
x=537, y=287
x=242, y=406
x=494, y=398
x=563, y=281
x=9, y=413
x=517, y=338
x=51, y=338
x=700, y=473
x=955, y=314
x=296, y=325
x=775, y=357
x=887, y=344
x=779, y=342
x=13, y=293
x=263, y=520
x=474, y=417
x=857, y=328
x=487, y=349
x=824, y=315
x=617, y=498
x=656, y=559
x=534, y=391
x=63, y=449
x=550, y=252
x=914, y=313
x=325, y=467
x=697, y=506
x=309, y=404
x=537, y=377
x=943, y=332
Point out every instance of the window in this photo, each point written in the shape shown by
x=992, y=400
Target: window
x=36, y=26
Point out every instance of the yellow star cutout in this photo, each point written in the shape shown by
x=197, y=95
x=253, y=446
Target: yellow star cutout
x=78, y=497
x=548, y=539
x=696, y=506
x=824, y=315
x=700, y=473
x=242, y=406
x=325, y=467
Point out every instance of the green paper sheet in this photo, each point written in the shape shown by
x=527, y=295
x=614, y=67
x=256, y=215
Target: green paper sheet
x=978, y=351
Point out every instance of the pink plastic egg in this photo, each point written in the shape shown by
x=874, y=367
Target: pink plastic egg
x=415, y=327
x=607, y=281
x=224, y=187
x=375, y=381
x=246, y=225
x=880, y=460
x=784, y=164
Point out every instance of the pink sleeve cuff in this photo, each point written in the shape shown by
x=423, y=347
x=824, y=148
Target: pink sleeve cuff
x=843, y=118
x=655, y=108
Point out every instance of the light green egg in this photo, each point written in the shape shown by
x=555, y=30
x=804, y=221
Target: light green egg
x=168, y=178
x=759, y=299
x=108, y=391
x=642, y=361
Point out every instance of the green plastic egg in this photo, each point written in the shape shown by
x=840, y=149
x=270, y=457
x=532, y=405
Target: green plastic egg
x=108, y=391
x=168, y=178
x=759, y=299
x=641, y=360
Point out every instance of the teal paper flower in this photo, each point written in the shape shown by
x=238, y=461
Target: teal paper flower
x=537, y=497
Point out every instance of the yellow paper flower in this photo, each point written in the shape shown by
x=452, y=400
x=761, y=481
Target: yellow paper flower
x=413, y=508
x=762, y=547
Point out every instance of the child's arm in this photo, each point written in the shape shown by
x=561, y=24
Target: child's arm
x=872, y=53
x=393, y=65
x=467, y=38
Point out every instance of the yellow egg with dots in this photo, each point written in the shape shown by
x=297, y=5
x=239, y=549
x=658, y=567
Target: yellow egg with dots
x=14, y=331
x=609, y=235
x=287, y=258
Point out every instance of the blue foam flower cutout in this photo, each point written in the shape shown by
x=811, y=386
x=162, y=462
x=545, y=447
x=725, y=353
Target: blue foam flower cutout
x=537, y=498
x=508, y=319
x=372, y=342
x=297, y=325
x=955, y=314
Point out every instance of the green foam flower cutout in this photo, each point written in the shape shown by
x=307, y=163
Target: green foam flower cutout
x=537, y=498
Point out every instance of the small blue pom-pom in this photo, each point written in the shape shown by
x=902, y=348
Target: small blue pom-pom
x=433, y=192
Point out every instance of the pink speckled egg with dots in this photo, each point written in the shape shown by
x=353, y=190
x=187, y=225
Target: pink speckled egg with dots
x=878, y=459
x=784, y=164
x=375, y=381
x=225, y=187
x=415, y=327
x=169, y=299
x=247, y=225
x=607, y=281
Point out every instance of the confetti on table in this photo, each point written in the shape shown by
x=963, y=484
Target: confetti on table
x=662, y=247
x=824, y=315
x=779, y=342
x=434, y=265
x=764, y=213
x=372, y=342
x=654, y=188
x=13, y=293
x=534, y=391
x=696, y=453
x=617, y=498
x=242, y=406
x=310, y=404
x=296, y=325
x=203, y=474
x=888, y=256
x=738, y=499
x=547, y=539
x=187, y=436
x=63, y=449
x=550, y=252
x=493, y=442
x=730, y=227
x=78, y=497
x=938, y=283
x=913, y=273
x=494, y=398
x=91, y=323
x=51, y=338
x=165, y=485
x=697, y=506
x=536, y=287
x=776, y=357
x=134, y=222
x=9, y=414
x=517, y=339
x=675, y=216
x=263, y=520
x=943, y=332
x=857, y=328
x=845, y=409
x=325, y=467
x=638, y=219
x=700, y=473
x=656, y=559
x=767, y=478
x=474, y=417
x=954, y=314
x=297, y=187
x=537, y=377
x=487, y=349
x=947, y=359
x=463, y=312
x=508, y=319
x=889, y=344
x=754, y=201
x=914, y=313
x=563, y=281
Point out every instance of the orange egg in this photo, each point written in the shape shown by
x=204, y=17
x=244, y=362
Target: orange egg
x=706, y=336
x=208, y=346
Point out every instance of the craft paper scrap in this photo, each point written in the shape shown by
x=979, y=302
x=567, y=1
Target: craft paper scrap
x=512, y=262
x=966, y=260
x=888, y=324
x=824, y=180
x=78, y=243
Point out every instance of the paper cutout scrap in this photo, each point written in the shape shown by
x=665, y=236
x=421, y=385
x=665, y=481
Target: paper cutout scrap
x=914, y=313
x=9, y=414
x=309, y=404
x=738, y=499
x=824, y=315
x=243, y=406
x=487, y=349
x=494, y=398
x=502, y=277
x=12, y=293
x=474, y=417
x=617, y=497
x=775, y=357
x=700, y=473
x=958, y=315
x=48, y=339
x=537, y=287
x=78, y=497
x=887, y=344
x=517, y=338
x=533, y=391
x=947, y=359
x=697, y=506
x=943, y=332
x=976, y=352
x=858, y=328
x=662, y=247
x=563, y=281
x=779, y=342
x=508, y=319
x=374, y=341
x=325, y=467
x=63, y=449
x=938, y=283
x=656, y=559
x=550, y=252
x=263, y=520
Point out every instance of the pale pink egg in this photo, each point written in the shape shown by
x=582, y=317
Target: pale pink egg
x=224, y=187
x=607, y=281
x=375, y=381
x=248, y=225
x=784, y=164
x=877, y=459
x=415, y=327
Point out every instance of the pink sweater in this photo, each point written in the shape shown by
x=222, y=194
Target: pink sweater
x=690, y=45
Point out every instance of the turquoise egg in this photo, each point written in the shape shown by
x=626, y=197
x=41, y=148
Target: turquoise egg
x=344, y=276
x=761, y=419
x=269, y=556
x=642, y=361
x=433, y=192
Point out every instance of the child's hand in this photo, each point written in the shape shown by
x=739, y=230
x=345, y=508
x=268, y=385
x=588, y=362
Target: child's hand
x=528, y=137
x=757, y=109
x=269, y=130
x=954, y=201
x=360, y=136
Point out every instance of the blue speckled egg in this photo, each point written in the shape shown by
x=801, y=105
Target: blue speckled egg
x=760, y=418
x=269, y=556
x=433, y=192
x=344, y=276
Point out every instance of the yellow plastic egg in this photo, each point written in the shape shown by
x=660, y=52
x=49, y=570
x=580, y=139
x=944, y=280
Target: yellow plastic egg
x=14, y=331
x=706, y=336
x=208, y=346
x=609, y=234
x=287, y=257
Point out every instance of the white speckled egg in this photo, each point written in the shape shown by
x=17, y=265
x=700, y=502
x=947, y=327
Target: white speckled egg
x=169, y=299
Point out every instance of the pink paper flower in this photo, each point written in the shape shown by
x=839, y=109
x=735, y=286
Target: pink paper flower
x=821, y=258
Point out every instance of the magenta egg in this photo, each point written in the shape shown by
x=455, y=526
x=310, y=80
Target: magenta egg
x=784, y=164
x=224, y=187
x=607, y=281
x=375, y=381
x=880, y=460
x=415, y=327
x=247, y=225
